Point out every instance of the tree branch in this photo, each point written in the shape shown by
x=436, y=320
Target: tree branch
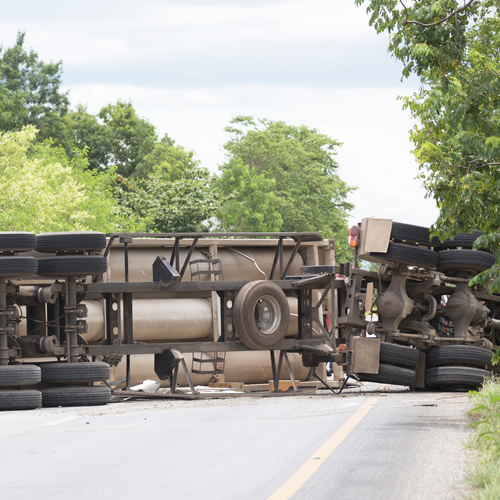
x=459, y=38
x=437, y=22
x=470, y=165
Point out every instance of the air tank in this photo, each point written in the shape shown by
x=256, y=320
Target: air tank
x=164, y=320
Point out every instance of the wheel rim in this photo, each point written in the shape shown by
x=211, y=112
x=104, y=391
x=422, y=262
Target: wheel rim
x=267, y=314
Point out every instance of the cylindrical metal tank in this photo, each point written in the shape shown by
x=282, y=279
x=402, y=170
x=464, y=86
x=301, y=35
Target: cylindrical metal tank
x=250, y=367
x=162, y=320
x=158, y=320
x=235, y=266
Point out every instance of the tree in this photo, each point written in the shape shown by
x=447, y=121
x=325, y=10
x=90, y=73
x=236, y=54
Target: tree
x=247, y=199
x=455, y=49
x=51, y=192
x=117, y=136
x=85, y=131
x=30, y=93
x=167, y=160
x=129, y=138
x=157, y=204
x=310, y=196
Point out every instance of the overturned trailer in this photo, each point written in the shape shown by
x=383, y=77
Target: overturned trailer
x=81, y=313
x=142, y=306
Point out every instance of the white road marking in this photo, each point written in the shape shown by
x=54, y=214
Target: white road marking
x=62, y=420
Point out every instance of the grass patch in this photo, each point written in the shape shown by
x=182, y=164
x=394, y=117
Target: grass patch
x=484, y=473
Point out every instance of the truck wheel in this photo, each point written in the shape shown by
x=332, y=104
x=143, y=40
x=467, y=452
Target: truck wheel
x=261, y=315
x=78, y=241
x=409, y=255
x=398, y=355
x=455, y=378
x=76, y=396
x=464, y=240
x=410, y=233
x=464, y=260
x=13, y=375
x=18, y=266
x=20, y=400
x=463, y=355
x=17, y=241
x=389, y=374
x=75, y=265
x=75, y=372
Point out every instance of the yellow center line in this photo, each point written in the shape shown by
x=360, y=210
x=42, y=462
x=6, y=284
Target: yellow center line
x=310, y=466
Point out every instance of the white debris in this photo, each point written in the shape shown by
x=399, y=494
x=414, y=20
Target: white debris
x=149, y=386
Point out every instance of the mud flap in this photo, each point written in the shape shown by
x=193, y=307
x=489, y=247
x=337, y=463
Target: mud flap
x=365, y=355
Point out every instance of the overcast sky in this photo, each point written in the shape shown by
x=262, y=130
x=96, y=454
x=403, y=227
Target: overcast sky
x=189, y=66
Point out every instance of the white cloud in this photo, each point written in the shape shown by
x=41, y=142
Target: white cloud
x=163, y=40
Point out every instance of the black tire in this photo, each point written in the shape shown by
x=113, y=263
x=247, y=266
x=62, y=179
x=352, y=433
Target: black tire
x=256, y=326
x=75, y=372
x=20, y=400
x=464, y=260
x=76, y=396
x=455, y=378
x=463, y=355
x=17, y=241
x=13, y=375
x=389, y=374
x=464, y=240
x=398, y=355
x=18, y=266
x=409, y=255
x=90, y=241
x=410, y=233
x=74, y=265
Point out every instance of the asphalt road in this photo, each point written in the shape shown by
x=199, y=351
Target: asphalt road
x=362, y=445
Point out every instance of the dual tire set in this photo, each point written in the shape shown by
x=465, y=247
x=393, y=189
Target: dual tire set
x=54, y=384
x=457, y=367
x=26, y=386
x=448, y=368
x=449, y=256
x=398, y=365
x=71, y=244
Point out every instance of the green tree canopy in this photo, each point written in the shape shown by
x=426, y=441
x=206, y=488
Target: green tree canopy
x=157, y=204
x=48, y=192
x=247, y=199
x=309, y=194
x=129, y=137
x=117, y=136
x=30, y=93
x=455, y=49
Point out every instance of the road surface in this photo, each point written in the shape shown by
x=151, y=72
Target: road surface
x=367, y=444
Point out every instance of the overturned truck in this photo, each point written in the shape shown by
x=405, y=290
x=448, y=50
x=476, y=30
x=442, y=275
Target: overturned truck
x=82, y=313
x=436, y=331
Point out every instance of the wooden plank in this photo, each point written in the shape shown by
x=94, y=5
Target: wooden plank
x=283, y=385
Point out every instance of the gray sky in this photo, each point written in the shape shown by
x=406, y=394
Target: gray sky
x=189, y=66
